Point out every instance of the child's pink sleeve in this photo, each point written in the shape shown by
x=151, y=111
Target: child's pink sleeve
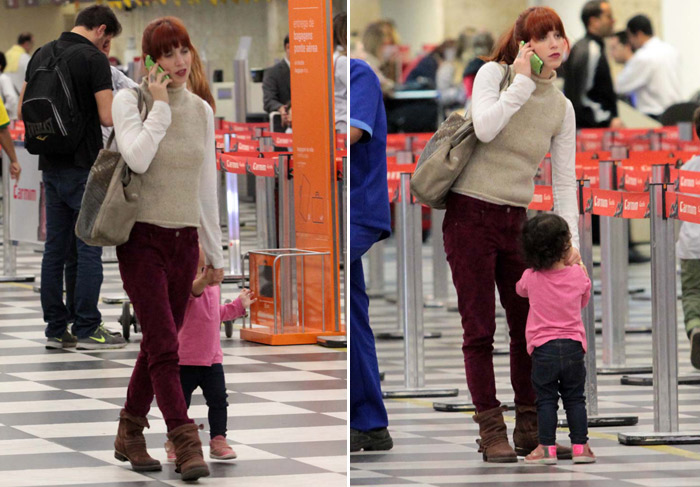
x=586, y=290
x=231, y=311
x=521, y=285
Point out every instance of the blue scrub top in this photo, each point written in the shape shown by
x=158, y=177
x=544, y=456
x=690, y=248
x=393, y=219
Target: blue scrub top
x=369, y=195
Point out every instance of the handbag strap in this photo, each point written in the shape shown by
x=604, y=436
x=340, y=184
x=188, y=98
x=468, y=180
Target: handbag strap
x=143, y=111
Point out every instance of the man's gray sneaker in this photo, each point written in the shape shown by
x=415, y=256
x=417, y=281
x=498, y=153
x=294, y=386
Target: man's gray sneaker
x=101, y=339
x=65, y=341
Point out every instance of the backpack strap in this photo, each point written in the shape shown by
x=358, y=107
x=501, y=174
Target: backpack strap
x=143, y=111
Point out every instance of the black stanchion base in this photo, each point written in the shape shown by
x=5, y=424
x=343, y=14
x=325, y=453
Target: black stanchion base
x=646, y=296
x=381, y=376
x=17, y=278
x=651, y=438
x=501, y=351
x=375, y=294
x=433, y=303
x=36, y=289
x=332, y=341
x=112, y=260
x=623, y=370
x=629, y=329
x=422, y=392
x=233, y=279
x=604, y=421
x=648, y=380
x=115, y=299
x=391, y=298
x=398, y=335
x=632, y=290
x=462, y=406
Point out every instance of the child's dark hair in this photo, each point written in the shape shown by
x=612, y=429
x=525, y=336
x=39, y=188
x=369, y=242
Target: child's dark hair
x=546, y=240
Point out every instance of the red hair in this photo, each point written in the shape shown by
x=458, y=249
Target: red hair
x=167, y=33
x=532, y=23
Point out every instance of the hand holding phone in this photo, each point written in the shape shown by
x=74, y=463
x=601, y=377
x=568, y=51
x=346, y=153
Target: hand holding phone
x=150, y=63
x=536, y=63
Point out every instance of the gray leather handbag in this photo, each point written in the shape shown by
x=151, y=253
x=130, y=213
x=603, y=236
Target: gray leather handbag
x=111, y=198
x=445, y=156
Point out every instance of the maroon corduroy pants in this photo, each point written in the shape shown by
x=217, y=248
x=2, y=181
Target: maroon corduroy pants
x=482, y=244
x=158, y=266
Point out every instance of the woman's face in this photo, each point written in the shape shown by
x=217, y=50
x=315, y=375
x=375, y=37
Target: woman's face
x=550, y=49
x=177, y=62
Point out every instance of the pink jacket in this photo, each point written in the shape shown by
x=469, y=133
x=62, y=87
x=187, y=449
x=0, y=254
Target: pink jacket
x=200, y=335
x=556, y=299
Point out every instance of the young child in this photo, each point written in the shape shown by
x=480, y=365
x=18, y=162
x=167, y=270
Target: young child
x=556, y=338
x=688, y=251
x=201, y=356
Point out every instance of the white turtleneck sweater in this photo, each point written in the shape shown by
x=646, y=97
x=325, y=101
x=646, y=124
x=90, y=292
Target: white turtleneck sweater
x=516, y=129
x=174, y=149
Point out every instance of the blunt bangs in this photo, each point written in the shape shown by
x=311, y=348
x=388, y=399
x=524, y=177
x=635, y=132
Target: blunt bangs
x=164, y=35
x=540, y=22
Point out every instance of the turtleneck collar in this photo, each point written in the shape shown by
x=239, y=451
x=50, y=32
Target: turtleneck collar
x=543, y=81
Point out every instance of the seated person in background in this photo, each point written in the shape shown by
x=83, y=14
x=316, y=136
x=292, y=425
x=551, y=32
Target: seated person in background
x=483, y=45
x=277, y=91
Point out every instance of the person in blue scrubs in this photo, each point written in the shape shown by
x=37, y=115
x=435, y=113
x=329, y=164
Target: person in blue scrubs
x=369, y=223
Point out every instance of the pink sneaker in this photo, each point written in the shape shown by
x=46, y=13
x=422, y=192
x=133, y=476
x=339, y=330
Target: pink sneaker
x=582, y=454
x=219, y=449
x=170, y=451
x=542, y=455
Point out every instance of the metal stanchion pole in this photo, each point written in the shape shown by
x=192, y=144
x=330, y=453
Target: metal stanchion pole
x=440, y=277
x=265, y=205
x=235, y=259
x=664, y=326
x=588, y=315
x=410, y=300
x=404, y=157
x=9, y=251
x=614, y=287
x=286, y=238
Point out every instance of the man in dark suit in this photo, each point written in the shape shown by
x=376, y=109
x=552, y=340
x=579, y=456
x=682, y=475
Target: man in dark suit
x=277, y=92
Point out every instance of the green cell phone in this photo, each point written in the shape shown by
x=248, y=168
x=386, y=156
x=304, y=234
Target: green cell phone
x=535, y=62
x=149, y=64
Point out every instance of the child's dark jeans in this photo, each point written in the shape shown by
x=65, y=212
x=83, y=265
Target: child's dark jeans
x=211, y=380
x=558, y=370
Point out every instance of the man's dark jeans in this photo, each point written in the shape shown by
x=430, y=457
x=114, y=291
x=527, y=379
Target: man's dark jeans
x=64, y=193
x=558, y=369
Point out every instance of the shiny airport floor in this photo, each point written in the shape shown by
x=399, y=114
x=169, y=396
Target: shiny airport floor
x=438, y=448
x=59, y=409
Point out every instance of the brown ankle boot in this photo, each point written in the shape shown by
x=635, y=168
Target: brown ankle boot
x=188, y=450
x=494, y=437
x=130, y=445
x=525, y=435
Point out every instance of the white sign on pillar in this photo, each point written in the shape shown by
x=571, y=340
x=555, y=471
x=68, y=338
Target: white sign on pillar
x=25, y=200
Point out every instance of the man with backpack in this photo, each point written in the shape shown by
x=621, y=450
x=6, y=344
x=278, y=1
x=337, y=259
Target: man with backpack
x=66, y=96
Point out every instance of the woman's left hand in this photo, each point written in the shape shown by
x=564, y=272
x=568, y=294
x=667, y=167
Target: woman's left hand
x=216, y=275
x=574, y=257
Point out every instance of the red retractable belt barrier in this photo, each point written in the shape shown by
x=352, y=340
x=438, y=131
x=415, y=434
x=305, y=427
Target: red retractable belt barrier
x=262, y=166
x=620, y=204
x=242, y=127
x=683, y=207
x=542, y=199
x=279, y=139
x=233, y=163
x=689, y=182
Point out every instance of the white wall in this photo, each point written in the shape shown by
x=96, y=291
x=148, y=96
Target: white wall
x=679, y=20
x=419, y=22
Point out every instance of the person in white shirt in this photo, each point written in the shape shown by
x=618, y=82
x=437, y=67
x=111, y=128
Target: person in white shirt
x=18, y=57
x=653, y=73
x=688, y=251
x=7, y=90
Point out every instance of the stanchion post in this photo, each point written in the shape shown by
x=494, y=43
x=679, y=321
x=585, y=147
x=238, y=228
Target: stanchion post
x=410, y=297
x=235, y=259
x=588, y=314
x=663, y=308
x=265, y=206
x=664, y=326
x=286, y=238
x=440, y=277
x=614, y=256
x=375, y=287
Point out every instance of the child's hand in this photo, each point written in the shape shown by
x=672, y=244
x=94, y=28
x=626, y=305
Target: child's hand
x=247, y=298
x=583, y=266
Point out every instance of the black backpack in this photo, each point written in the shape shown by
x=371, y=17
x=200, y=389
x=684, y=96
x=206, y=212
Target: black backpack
x=52, y=119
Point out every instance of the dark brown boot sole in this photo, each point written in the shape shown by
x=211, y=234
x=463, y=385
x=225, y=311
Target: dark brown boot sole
x=492, y=459
x=195, y=473
x=138, y=468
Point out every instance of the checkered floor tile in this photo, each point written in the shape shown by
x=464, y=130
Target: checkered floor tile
x=434, y=448
x=59, y=409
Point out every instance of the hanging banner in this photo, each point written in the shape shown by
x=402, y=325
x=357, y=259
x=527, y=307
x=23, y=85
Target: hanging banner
x=689, y=182
x=683, y=207
x=315, y=178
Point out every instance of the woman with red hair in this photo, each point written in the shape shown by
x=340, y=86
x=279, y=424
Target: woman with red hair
x=173, y=149
x=487, y=208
